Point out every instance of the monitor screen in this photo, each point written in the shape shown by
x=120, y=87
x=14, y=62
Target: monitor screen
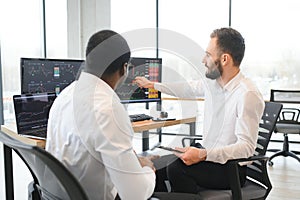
x=47, y=75
x=150, y=68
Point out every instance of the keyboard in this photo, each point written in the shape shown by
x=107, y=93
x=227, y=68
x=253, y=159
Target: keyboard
x=139, y=117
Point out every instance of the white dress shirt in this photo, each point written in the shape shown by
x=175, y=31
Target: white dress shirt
x=231, y=115
x=89, y=131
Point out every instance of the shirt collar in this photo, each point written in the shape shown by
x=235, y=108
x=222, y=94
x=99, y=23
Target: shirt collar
x=233, y=82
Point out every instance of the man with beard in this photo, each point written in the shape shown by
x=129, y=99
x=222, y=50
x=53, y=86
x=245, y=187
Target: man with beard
x=232, y=112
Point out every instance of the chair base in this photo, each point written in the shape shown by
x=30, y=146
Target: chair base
x=285, y=152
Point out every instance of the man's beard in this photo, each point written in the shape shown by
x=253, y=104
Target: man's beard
x=215, y=73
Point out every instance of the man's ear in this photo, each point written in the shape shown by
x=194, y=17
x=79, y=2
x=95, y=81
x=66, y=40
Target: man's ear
x=123, y=69
x=225, y=58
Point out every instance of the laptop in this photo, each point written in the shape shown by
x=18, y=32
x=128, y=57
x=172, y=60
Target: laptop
x=32, y=112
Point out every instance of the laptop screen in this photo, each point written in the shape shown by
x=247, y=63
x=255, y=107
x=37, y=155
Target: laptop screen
x=32, y=112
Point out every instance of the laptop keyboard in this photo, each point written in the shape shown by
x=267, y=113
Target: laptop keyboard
x=139, y=117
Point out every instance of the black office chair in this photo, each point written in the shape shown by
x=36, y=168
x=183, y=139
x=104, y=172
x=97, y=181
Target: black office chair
x=258, y=185
x=288, y=122
x=51, y=179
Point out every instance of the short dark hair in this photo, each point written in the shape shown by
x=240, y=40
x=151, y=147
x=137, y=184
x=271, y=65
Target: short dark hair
x=106, y=53
x=230, y=41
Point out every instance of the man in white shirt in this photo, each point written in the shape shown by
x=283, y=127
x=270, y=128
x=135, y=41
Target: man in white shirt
x=233, y=109
x=90, y=132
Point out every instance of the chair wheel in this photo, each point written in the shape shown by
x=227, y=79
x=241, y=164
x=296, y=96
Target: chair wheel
x=270, y=163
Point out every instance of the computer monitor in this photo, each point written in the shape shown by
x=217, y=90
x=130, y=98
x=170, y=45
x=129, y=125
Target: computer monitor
x=150, y=68
x=47, y=75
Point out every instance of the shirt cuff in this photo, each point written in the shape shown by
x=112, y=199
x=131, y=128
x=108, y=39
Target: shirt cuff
x=157, y=86
x=213, y=155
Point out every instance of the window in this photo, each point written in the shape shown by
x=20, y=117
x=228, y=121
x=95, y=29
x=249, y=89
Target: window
x=272, y=42
x=21, y=36
x=127, y=16
x=195, y=20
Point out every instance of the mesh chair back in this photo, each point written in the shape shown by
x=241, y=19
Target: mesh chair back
x=290, y=113
x=51, y=178
x=266, y=128
x=285, y=96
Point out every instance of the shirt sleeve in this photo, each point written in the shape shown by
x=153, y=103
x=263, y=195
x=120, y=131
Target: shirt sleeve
x=131, y=180
x=191, y=89
x=249, y=113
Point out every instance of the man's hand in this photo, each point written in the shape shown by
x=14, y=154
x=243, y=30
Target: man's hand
x=153, y=157
x=142, y=82
x=191, y=155
x=145, y=161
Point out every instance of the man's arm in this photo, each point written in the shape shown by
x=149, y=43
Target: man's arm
x=133, y=178
x=183, y=89
x=246, y=132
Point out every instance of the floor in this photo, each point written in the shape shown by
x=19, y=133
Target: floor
x=284, y=174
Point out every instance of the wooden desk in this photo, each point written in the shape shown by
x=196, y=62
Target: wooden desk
x=149, y=124
x=145, y=126
x=141, y=126
x=31, y=141
x=138, y=127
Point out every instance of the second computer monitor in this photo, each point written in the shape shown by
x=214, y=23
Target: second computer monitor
x=47, y=75
x=149, y=68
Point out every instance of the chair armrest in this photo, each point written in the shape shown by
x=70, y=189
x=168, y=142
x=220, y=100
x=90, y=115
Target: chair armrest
x=285, y=112
x=233, y=171
x=234, y=179
x=191, y=138
x=252, y=158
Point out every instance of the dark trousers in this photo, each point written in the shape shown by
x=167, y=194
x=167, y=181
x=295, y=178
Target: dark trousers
x=189, y=179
